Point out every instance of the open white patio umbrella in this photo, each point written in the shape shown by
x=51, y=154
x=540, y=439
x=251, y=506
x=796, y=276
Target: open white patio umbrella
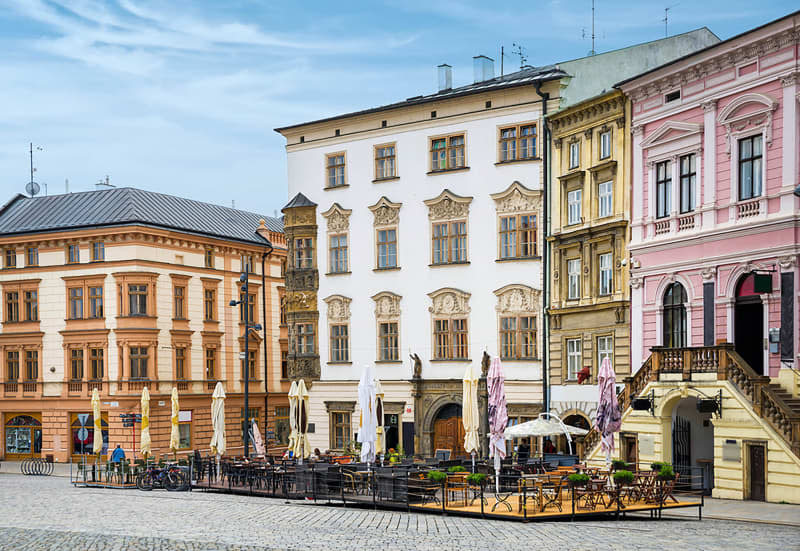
x=293, y=398
x=469, y=413
x=97, y=444
x=218, y=420
x=368, y=422
x=498, y=416
x=380, y=431
x=145, y=438
x=547, y=424
x=608, y=419
x=174, y=433
x=302, y=448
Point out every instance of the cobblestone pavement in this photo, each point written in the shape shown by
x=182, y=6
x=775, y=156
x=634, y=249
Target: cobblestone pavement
x=47, y=513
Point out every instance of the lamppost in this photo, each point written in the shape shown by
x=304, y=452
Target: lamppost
x=244, y=304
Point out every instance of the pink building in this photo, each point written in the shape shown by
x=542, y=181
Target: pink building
x=715, y=234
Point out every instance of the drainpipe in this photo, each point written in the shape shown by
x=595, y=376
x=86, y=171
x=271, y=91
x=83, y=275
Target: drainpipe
x=546, y=252
x=267, y=334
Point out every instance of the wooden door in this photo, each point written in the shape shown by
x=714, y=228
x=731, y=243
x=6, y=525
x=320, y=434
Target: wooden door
x=757, y=468
x=630, y=449
x=448, y=434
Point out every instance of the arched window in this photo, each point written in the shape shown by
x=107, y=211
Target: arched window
x=675, y=316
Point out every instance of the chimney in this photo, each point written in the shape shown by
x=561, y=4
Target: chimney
x=482, y=68
x=445, y=77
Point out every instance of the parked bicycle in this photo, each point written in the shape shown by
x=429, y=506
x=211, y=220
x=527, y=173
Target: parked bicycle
x=171, y=478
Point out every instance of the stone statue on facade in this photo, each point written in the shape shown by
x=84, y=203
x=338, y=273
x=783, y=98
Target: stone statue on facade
x=417, y=365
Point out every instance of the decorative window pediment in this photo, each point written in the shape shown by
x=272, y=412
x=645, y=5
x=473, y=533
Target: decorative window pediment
x=517, y=198
x=518, y=299
x=386, y=213
x=338, y=218
x=387, y=306
x=448, y=206
x=748, y=110
x=449, y=301
x=338, y=308
x=671, y=131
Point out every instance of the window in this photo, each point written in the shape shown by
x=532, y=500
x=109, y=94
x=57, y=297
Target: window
x=11, y=258
x=338, y=253
x=32, y=256
x=247, y=263
x=180, y=362
x=672, y=96
x=750, y=159
x=137, y=296
x=388, y=342
x=208, y=258
x=508, y=144
x=184, y=430
x=605, y=198
x=284, y=364
x=449, y=242
x=450, y=339
x=305, y=338
x=574, y=279
x=138, y=358
x=518, y=236
x=518, y=337
x=605, y=145
x=178, y=298
x=209, y=304
x=95, y=302
x=31, y=300
x=518, y=143
x=605, y=349
x=251, y=365
x=387, y=248
x=340, y=435
x=675, y=316
x=96, y=363
x=606, y=281
x=688, y=176
x=340, y=343
x=304, y=253
x=76, y=364
x=663, y=189
x=574, y=155
x=31, y=365
x=249, y=308
x=447, y=153
x=12, y=306
x=335, y=164
x=211, y=363
x=12, y=365
x=573, y=358
x=76, y=303
x=282, y=428
x=73, y=254
x=574, y=207
x=385, y=162
x=98, y=251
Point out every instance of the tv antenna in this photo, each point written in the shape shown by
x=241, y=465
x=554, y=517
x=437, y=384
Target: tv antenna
x=32, y=187
x=520, y=51
x=593, y=51
x=666, y=18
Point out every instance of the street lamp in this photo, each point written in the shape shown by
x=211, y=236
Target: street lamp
x=244, y=304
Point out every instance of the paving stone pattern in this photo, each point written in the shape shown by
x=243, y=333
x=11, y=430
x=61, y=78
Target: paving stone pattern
x=47, y=513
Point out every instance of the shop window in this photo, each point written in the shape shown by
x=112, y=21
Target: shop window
x=23, y=435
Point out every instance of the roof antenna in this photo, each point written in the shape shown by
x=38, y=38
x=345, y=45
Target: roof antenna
x=104, y=183
x=520, y=51
x=66, y=185
x=666, y=18
x=593, y=50
x=32, y=187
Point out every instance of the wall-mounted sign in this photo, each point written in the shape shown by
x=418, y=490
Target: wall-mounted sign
x=184, y=416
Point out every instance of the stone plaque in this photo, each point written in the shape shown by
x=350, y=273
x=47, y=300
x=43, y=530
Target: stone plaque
x=731, y=451
x=647, y=445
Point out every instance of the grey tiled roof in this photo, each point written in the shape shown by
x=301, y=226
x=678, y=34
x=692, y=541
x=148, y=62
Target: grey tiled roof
x=123, y=206
x=528, y=75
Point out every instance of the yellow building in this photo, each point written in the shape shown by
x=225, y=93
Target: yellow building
x=590, y=210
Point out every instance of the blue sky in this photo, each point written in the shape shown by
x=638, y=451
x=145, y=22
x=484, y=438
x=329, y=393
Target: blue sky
x=182, y=96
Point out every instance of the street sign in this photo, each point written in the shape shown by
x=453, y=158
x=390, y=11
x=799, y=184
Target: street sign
x=83, y=418
x=83, y=434
x=241, y=355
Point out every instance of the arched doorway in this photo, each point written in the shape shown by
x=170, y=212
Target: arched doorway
x=23, y=435
x=448, y=430
x=748, y=324
x=675, y=316
x=692, y=443
x=574, y=420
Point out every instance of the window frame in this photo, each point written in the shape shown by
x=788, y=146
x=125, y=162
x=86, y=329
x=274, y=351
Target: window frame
x=573, y=354
x=338, y=256
x=602, y=352
x=179, y=301
x=389, y=244
x=180, y=362
x=331, y=169
x=304, y=341
x=31, y=365
x=340, y=426
x=571, y=262
x=75, y=297
x=208, y=258
x=76, y=364
x=605, y=136
x=378, y=159
x=607, y=282
x=141, y=292
x=98, y=251
x=339, y=343
x=388, y=341
x=32, y=253
x=574, y=155
x=606, y=199
x=95, y=361
x=10, y=258
x=521, y=142
x=518, y=338
x=574, y=206
x=687, y=179
x=209, y=304
x=30, y=304
x=142, y=361
x=663, y=189
x=449, y=341
x=210, y=363
x=751, y=162
x=450, y=150
x=12, y=361
x=304, y=253
x=461, y=240
x=518, y=233
x=76, y=257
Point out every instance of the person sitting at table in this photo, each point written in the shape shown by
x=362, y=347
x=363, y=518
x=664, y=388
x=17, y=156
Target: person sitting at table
x=548, y=446
x=317, y=454
x=523, y=452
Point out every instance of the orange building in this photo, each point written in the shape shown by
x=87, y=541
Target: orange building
x=121, y=289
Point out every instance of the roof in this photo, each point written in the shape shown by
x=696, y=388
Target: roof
x=525, y=76
x=711, y=47
x=299, y=200
x=125, y=206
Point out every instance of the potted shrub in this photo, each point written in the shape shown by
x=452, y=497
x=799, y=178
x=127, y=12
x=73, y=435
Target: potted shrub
x=618, y=465
x=456, y=469
x=436, y=476
x=656, y=465
x=666, y=473
x=479, y=479
x=578, y=479
x=623, y=478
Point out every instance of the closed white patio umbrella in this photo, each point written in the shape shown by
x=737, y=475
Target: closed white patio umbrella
x=380, y=431
x=218, y=420
x=469, y=413
x=145, y=438
x=174, y=433
x=302, y=447
x=293, y=398
x=97, y=444
x=368, y=422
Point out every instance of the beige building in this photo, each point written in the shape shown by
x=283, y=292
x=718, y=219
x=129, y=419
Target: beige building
x=125, y=289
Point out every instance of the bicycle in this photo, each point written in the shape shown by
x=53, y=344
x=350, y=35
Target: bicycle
x=171, y=478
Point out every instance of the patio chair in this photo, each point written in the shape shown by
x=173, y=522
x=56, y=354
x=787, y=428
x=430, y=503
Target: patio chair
x=422, y=489
x=552, y=494
x=528, y=491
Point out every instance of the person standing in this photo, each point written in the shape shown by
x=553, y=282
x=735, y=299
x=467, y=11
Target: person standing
x=118, y=454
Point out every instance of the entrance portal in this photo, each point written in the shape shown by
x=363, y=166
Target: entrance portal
x=448, y=431
x=757, y=464
x=749, y=324
x=692, y=444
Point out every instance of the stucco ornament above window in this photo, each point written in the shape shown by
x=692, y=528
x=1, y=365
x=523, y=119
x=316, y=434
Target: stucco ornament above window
x=448, y=206
x=387, y=306
x=748, y=110
x=448, y=301
x=338, y=307
x=386, y=213
x=517, y=299
x=338, y=218
x=517, y=199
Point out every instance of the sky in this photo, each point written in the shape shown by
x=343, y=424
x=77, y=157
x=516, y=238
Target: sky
x=182, y=96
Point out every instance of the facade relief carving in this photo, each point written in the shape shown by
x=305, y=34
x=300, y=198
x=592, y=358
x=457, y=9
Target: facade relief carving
x=517, y=298
x=385, y=212
x=338, y=308
x=301, y=301
x=517, y=198
x=448, y=206
x=449, y=301
x=387, y=306
x=338, y=218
